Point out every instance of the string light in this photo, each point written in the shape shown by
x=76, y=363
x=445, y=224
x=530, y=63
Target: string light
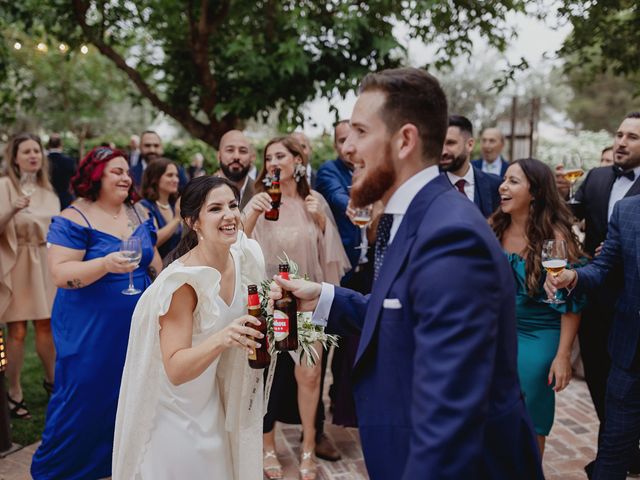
x=84, y=49
x=3, y=355
x=42, y=47
x=63, y=48
x=17, y=45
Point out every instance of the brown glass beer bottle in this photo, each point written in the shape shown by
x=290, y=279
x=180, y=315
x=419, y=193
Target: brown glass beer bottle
x=258, y=358
x=276, y=196
x=285, y=317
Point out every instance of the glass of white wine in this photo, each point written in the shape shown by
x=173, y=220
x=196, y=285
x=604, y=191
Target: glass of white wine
x=573, y=170
x=28, y=185
x=554, y=261
x=362, y=218
x=131, y=249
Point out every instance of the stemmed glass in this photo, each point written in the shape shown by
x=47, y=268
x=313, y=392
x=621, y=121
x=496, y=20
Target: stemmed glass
x=131, y=249
x=573, y=171
x=28, y=185
x=362, y=218
x=554, y=261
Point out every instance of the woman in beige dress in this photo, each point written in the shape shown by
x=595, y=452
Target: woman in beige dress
x=27, y=203
x=307, y=233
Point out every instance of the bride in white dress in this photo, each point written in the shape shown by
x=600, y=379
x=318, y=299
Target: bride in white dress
x=189, y=404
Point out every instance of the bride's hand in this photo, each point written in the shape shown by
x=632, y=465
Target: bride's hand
x=240, y=335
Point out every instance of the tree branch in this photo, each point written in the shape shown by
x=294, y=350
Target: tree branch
x=210, y=133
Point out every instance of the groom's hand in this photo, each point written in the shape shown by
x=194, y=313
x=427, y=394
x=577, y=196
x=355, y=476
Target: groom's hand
x=305, y=291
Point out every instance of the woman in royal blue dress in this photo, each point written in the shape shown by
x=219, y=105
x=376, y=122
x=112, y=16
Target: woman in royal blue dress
x=91, y=317
x=531, y=211
x=160, y=197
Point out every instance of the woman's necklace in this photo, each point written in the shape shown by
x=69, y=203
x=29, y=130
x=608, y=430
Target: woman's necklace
x=115, y=217
x=164, y=206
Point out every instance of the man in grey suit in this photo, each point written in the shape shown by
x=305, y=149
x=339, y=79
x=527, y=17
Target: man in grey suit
x=234, y=156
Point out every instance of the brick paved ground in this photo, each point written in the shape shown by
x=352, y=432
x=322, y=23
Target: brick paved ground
x=569, y=447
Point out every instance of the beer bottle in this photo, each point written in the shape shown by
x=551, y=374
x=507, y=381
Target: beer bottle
x=276, y=195
x=259, y=358
x=285, y=317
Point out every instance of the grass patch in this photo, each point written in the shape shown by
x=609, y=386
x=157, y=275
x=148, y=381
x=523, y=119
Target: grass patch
x=26, y=432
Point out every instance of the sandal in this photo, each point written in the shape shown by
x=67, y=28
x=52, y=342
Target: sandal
x=18, y=409
x=48, y=387
x=273, y=471
x=308, y=473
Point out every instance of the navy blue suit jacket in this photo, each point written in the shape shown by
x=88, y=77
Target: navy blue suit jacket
x=435, y=377
x=333, y=182
x=478, y=164
x=621, y=249
x=486, y=195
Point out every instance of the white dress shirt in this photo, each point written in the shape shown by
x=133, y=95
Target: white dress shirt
x=620, y=188
x=469, y=182
x=495, y=167
x=397, y=205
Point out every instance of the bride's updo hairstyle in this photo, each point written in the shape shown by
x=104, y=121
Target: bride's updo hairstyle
x=192, y=200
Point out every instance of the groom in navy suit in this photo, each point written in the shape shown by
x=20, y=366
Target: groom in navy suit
x=436, y=386
x=479, y=187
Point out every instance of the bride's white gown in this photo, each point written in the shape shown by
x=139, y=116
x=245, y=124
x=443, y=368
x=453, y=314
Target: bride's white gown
x=188, y=439
x=200, y=429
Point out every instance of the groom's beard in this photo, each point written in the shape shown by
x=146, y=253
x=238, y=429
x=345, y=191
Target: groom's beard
x=374, y=184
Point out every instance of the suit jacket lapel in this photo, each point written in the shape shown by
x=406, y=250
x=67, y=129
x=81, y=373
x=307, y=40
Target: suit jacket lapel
x=635, y=188
x=396, y=254
x=482, y=193
x=604, y=194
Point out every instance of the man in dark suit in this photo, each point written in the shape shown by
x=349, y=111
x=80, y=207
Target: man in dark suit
x=61, y=169
x=479, y=187
x=234, y=157
x=436, y=384
x=597, y=195
x=491, y=146
x=151, y=149
x=620, y=253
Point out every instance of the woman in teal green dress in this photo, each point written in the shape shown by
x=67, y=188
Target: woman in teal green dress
x=531, y=211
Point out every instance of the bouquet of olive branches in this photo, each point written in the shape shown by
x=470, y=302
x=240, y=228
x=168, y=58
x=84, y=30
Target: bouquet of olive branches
x=308, y=333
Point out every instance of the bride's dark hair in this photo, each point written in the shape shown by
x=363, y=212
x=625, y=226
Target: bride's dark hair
x=191, y=202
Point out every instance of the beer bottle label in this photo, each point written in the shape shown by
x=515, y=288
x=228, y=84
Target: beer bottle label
x=280, y=325
x=252, y=354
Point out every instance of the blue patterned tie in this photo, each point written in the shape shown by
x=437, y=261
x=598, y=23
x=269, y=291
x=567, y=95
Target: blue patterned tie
x=382, y=241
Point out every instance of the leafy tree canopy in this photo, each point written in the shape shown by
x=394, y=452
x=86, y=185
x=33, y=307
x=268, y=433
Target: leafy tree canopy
x=213, y=64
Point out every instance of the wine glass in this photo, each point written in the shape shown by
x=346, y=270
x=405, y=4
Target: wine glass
x=573, y=170
x=131, y=249
x=362, y=218
x=554, y=261
x=28, y=185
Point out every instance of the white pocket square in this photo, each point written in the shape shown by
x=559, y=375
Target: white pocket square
x=391, y=303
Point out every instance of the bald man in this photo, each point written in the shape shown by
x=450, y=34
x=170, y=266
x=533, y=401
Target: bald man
x=491, y=145
x=234, y=157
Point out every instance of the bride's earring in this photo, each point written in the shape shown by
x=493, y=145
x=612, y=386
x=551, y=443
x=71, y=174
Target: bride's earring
x=299, y=171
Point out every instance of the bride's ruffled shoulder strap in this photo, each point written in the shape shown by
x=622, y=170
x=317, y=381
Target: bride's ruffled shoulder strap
x=140, y=387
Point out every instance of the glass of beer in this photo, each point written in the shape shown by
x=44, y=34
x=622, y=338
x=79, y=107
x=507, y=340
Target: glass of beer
x=573, y=171
x=362, y=218
x=554, y=261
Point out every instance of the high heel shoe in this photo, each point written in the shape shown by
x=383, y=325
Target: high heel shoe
x=308, y=473
x=274, y=470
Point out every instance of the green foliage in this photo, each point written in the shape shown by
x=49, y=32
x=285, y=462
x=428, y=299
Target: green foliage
x=600, y=102
x=605, y=36
x=65, y=91
x=211, y=65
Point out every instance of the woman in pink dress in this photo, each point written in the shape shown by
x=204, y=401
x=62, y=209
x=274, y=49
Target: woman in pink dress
x=307, y=234
x=27, y=204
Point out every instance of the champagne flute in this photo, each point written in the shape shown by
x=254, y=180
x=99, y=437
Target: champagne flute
x=131, y=249
x=554, y=261
x=28, y=185
x=573, y=171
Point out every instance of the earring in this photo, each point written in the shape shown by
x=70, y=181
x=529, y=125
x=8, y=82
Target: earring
x=198, y=234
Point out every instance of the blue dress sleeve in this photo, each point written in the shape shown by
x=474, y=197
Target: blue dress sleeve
x=68, y=234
